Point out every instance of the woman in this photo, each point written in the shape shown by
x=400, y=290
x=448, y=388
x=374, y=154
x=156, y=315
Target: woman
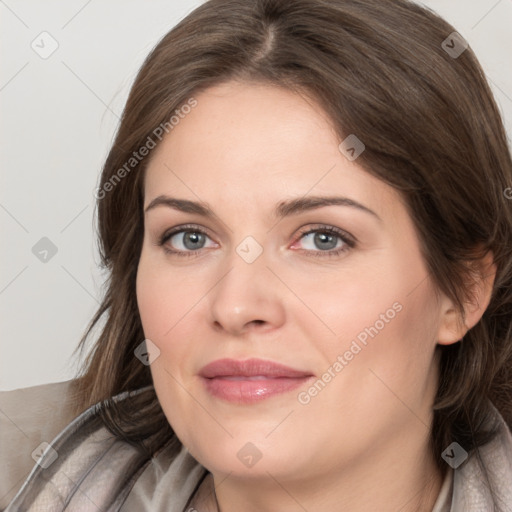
x=305, y=218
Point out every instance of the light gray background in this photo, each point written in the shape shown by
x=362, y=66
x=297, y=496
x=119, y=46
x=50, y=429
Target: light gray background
x=58, y=117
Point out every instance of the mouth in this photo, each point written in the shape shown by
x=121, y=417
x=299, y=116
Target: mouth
x=252, y=380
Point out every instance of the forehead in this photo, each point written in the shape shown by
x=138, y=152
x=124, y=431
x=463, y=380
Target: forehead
x=257, y=144
x=242, y=125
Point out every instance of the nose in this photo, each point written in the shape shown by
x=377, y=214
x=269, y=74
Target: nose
x=249, y=297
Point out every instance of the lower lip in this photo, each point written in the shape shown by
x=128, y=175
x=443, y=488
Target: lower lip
x=249, y=391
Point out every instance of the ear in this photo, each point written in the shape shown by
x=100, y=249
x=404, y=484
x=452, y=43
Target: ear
x=452, y=327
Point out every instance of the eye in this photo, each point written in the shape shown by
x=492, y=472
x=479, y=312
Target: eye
x=326, y=241
x=323, y=241
x=184, y=240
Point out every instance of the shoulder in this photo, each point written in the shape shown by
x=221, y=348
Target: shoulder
x=88, y=467
x=29, y=417
x=486, y=478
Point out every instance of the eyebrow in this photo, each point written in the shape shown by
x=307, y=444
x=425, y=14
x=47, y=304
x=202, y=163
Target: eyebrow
x=283, y=209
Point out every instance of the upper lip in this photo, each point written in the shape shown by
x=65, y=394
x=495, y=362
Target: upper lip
x=249, y=368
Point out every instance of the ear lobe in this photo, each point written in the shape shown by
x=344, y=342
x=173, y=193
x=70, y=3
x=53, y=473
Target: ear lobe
x=453, y=327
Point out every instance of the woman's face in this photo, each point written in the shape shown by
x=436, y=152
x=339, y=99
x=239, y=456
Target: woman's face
x=352, y=310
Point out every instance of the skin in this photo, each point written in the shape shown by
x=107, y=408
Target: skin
x=362, y=442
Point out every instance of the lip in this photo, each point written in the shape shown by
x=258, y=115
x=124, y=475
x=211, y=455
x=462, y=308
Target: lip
x=250, y=380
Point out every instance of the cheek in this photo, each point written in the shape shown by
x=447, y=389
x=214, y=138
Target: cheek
x=388, y=360
x=364, y=304
x=385, y=326
x=164, y=297
x=161, y=309
x=165, y=306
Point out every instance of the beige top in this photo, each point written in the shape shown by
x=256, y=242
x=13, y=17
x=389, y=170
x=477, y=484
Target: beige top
x=444, y=500
x=34, y=415
x=28, y=417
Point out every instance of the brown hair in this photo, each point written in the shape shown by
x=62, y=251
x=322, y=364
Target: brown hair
x=431, y=128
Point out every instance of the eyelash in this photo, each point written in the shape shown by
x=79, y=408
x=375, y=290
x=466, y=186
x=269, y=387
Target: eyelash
x=348, y=240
